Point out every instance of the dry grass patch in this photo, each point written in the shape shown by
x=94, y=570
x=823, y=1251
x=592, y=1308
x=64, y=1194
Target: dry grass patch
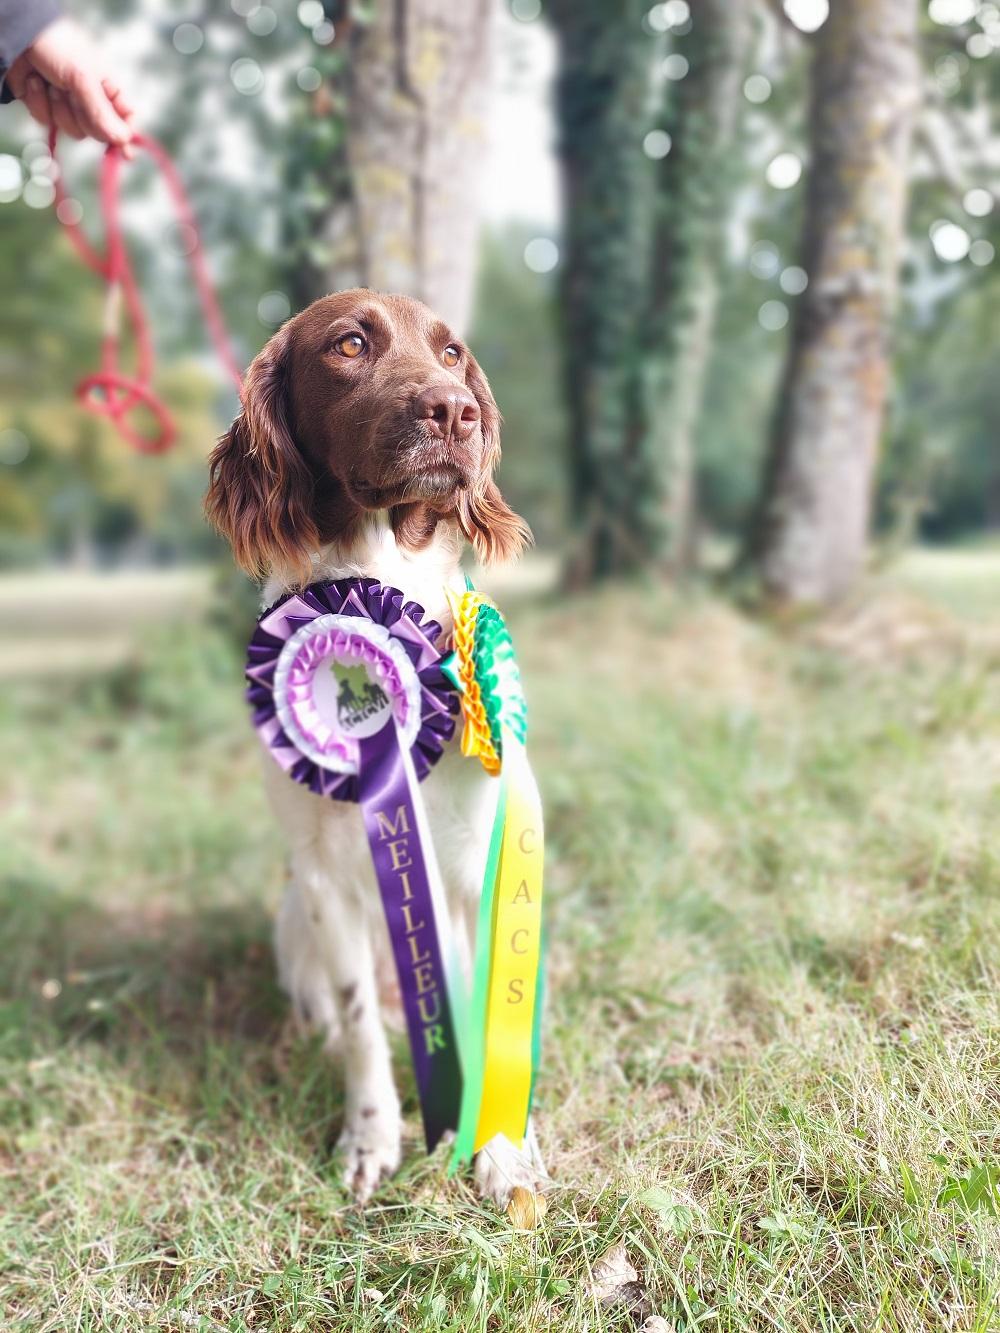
x=772, y=1049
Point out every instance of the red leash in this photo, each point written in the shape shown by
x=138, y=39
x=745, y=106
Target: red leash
x=110, y=392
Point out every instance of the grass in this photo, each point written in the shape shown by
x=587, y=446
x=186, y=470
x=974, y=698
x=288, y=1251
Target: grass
x=772, y=1061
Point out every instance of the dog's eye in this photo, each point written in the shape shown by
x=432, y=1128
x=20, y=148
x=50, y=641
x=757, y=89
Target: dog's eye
x=451, y=355
x=351, y=345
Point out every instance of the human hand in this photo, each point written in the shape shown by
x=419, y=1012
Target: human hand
x=60, y=80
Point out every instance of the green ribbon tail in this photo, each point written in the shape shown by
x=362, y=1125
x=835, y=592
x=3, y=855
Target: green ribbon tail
x=536, y=1030
x=475, y=1044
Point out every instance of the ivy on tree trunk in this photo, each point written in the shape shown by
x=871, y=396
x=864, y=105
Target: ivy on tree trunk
x=640, y=268
x=695, y=182
x=601, y=93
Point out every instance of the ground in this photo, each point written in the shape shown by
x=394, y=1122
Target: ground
x=772, y=1051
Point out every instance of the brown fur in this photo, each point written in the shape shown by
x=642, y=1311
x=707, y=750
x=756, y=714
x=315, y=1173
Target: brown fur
x=322, y=439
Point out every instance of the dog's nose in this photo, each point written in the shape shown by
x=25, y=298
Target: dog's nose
x=450, y=412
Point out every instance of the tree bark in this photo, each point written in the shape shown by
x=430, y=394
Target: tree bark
x=695, y=182
x=600, y=98
x=415, y=84
x=809, y=536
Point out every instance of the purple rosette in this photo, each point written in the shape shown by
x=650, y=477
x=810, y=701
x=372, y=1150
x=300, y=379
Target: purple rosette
x=314, y=736
x=349, y=698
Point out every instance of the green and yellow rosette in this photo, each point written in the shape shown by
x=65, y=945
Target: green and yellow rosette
x=502, y=1034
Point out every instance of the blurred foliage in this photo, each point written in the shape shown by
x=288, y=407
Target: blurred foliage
x=515, y=340
x=79, y=494
x=261, y=170
x=940, y=471
x=601, y=95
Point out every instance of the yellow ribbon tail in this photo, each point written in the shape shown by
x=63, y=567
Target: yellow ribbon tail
x=517, y=940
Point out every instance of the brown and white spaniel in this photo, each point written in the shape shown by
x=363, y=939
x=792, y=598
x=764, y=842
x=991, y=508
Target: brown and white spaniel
x=366, y=446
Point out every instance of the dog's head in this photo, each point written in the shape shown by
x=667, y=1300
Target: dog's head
x=362, y=402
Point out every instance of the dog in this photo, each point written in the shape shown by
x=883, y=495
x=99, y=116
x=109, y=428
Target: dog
x=366, y=447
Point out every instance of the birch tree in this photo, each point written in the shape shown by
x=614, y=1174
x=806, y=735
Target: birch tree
x=404, y=179
x=810, y=531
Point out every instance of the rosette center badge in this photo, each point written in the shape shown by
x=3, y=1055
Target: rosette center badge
x=339, y=680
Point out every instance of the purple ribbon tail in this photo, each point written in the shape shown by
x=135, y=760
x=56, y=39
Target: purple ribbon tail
x=388, y=798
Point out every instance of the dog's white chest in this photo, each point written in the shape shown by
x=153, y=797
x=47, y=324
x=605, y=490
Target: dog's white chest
x=459, y=797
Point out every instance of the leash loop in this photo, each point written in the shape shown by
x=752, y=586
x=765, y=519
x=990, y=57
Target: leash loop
x=109, y=392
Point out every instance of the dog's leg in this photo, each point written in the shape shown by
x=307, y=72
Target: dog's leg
x=371, y=1137
x=500, y=1167
x=302, y=970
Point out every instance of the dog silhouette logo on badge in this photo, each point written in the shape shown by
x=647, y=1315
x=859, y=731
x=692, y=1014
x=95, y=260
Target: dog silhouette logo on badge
x=361, y=704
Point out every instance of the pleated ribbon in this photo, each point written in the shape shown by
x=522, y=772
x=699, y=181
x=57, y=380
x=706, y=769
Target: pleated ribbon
x=305, y=660
x=501, y=1042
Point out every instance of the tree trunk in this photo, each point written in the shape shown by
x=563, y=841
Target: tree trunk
x=415, y=83
x=696, y=181
x=601, y=107
x=811, y=528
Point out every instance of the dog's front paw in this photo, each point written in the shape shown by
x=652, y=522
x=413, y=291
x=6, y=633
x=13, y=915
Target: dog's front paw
x=370, y=1143
x=500, y=1168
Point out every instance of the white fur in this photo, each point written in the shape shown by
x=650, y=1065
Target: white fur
x=332, y=944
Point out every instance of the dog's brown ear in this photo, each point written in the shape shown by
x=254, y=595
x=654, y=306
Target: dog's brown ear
x=497, y=534
x=260, y=489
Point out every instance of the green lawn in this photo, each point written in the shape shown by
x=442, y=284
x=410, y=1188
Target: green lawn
x=772, y=1059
